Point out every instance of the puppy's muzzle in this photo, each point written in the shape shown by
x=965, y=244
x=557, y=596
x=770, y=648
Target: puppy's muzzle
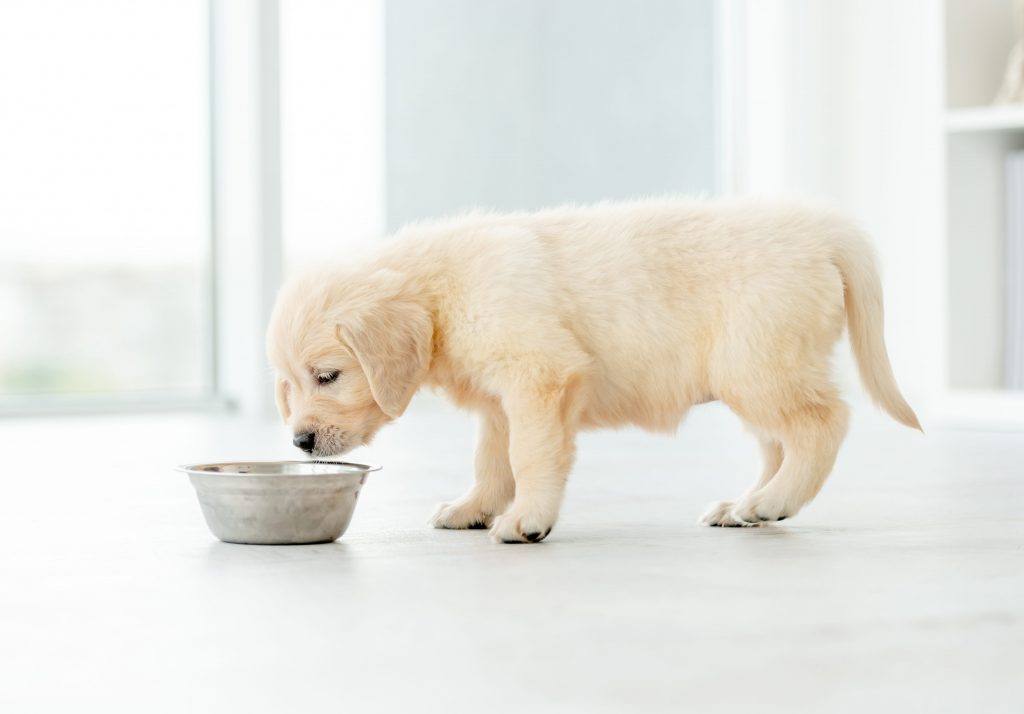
x=305, y=441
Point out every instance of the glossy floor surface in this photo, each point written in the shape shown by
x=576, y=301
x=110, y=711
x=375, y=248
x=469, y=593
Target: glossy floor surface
x=901, y=587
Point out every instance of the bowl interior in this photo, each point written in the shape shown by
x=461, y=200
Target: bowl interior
x=280, y=468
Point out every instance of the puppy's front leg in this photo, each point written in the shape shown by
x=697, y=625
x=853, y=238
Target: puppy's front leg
x=541, y=449
x=493, y=487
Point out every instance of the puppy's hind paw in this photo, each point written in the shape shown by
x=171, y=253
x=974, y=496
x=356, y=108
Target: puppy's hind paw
x=722, y=513
x=762, y=506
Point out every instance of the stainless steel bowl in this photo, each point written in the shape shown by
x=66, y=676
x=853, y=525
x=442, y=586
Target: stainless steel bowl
x=278, y=502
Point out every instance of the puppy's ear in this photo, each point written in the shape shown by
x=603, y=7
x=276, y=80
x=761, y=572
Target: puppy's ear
x=281, y=397
x=392, y=337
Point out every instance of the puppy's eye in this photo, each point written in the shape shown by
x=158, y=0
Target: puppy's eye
x=328, y=377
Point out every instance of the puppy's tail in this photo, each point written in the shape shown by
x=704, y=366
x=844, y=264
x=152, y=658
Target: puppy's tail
x=864, y=316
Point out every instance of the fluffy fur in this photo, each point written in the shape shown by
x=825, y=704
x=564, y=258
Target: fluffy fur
x=586, y=317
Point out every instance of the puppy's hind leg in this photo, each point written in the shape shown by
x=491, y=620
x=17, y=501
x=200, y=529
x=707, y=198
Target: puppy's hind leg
x=494, y=487
x=811, y=434
x=811, y=437
x=718, y=513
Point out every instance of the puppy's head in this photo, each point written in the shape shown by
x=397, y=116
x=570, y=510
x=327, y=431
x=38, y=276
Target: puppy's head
x=349, y=353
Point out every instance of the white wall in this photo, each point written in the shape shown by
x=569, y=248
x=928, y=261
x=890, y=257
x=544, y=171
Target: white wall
x=517, y=104
x=844, y=105
x=332, y=127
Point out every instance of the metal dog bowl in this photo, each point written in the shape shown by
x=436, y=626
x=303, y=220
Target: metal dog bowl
x=278, y=502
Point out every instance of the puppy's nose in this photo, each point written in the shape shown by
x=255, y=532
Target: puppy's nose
x=305, y=441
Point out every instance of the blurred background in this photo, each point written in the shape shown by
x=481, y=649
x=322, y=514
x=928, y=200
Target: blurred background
x=163, y=165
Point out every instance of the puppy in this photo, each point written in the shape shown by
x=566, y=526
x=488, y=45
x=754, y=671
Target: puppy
x=587, y=317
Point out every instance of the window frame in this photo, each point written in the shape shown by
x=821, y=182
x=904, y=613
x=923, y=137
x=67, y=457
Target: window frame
x=244, y=260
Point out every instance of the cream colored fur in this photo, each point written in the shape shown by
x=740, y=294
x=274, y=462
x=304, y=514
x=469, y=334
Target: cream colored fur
x=588, y=317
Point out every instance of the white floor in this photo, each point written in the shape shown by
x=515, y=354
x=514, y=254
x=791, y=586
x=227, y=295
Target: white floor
x=901, y=587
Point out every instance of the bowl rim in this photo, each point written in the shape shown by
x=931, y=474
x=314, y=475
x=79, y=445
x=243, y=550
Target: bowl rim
x=203, y=469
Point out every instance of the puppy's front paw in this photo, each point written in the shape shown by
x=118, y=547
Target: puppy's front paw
x=516, y=526
x=460, y=515
x=720, y=513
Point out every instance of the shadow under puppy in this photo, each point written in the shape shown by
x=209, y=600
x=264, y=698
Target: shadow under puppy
x=587, y=317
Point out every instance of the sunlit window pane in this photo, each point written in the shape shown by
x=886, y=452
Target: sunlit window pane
x=104, y=210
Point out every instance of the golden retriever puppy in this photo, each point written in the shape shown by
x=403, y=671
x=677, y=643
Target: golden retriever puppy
x=586, y=317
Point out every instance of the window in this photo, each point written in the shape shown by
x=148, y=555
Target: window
x=105, y=237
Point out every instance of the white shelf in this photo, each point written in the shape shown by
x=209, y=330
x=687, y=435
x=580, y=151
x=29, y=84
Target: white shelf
x=1008, y=117
x=977, y=39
